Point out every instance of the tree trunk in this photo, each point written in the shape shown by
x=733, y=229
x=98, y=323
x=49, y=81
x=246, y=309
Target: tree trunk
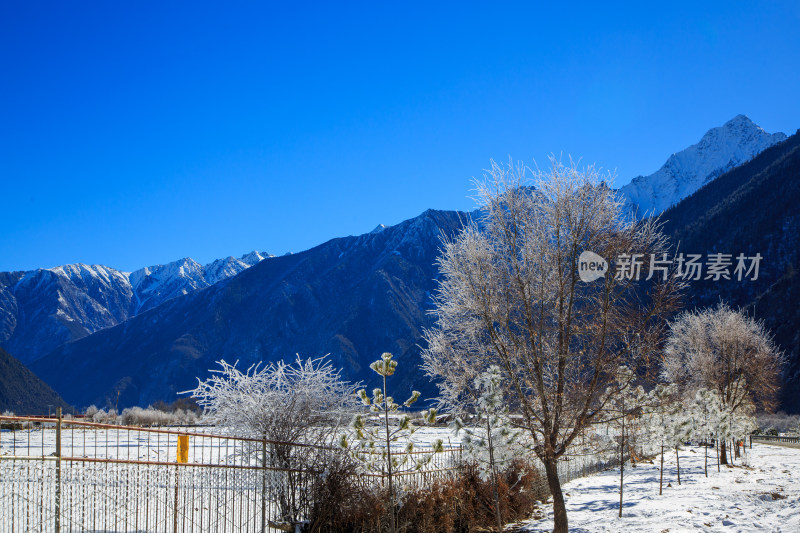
x=559, y=508
x=716, y=447
x=389, y=461
x=705, y=466
x=678, y=462
x=736, y=448
x=494, y=474
x=661, y=479
x=723, y=452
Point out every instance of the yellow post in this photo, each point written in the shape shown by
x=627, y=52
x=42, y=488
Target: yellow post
x=183, y=448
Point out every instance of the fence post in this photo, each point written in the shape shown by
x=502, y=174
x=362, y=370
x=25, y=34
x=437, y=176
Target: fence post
x=264, y=485
x=181, y=457
x=175, y=506
x=58, y=470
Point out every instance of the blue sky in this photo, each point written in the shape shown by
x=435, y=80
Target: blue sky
x=136, y=133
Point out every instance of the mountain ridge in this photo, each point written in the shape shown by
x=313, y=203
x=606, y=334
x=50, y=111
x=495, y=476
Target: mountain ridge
x=684, y=172
x=43, y=308
x=308, y=303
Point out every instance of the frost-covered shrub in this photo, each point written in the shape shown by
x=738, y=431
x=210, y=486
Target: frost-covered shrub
x=779, y=421
x=306, y=401
x=136, y=416
x=284, y=404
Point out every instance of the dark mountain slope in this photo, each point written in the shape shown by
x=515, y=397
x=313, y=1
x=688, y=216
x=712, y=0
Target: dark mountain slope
x=352, y=297
x=754, y=208
x=21, y=392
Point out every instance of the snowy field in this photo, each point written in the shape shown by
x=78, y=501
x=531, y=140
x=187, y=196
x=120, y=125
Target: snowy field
x=120, y=444
x=760, y=493
x=131, y=444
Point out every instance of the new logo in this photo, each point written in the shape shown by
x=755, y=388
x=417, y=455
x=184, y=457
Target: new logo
x=591, y=266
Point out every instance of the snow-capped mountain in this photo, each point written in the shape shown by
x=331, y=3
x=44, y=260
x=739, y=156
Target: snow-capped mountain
x=41, y=309
x=152, y=285
x=720, y=149
x=150, y=333
x=351, y=297
x=155, y=284
x=355, y=297
x=230, y=266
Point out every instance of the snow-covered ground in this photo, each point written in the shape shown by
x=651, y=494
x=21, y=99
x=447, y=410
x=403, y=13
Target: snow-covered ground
x=133, y=444
x=759, y=493
x=120, y=444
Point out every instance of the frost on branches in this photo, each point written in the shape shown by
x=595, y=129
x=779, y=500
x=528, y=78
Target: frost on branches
x=382, y=446
x=493, y=442
x=510, y=295
x=282, y=404
x=376, y=443
x=724, y=350
x=303, y=402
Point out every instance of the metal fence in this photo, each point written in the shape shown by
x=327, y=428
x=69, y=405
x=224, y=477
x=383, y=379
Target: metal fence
x=67, y=475
x=791, y=442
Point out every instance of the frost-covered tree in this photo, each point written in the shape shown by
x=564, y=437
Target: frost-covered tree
x=671, y=422
x=723, y=349
x=90, y=412
x=658, y=415
x=707, y=413
x=295, y=409
x=101, y=416
x=625, y=402
x=156, y=417
x=510, y=295
x=493, y=443
x=681, y=425
x=375, y=445
x=742, y=422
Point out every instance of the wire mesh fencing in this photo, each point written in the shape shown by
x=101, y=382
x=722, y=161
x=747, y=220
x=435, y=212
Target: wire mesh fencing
x=67, y=475
x=63, y=475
